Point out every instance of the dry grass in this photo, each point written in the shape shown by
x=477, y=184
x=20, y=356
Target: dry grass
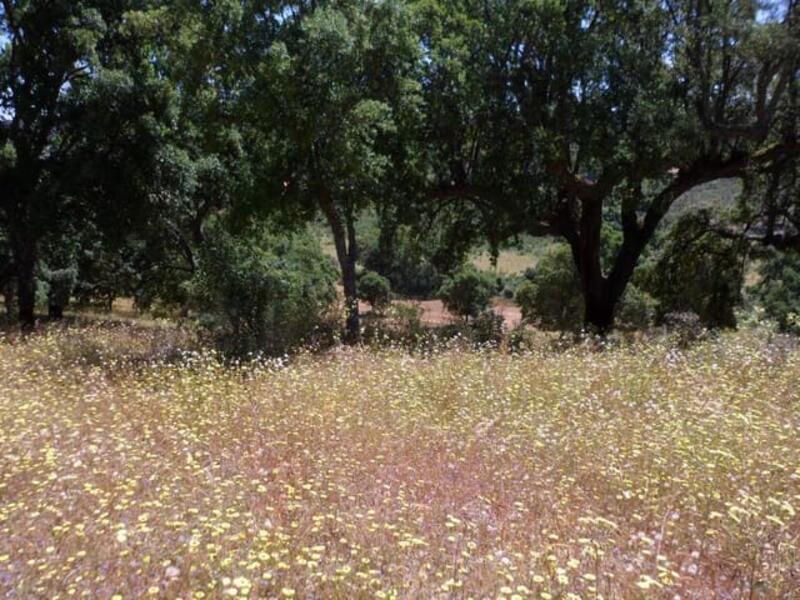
x=631, y=473
x=434, y=313
x=508, y=262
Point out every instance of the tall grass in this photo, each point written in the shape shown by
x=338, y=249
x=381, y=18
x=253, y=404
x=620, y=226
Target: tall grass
x=644, y=471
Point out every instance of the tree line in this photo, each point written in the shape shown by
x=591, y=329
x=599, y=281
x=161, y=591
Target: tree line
x=138, y=130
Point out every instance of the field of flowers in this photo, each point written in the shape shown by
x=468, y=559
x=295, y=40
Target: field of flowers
x=640, y=472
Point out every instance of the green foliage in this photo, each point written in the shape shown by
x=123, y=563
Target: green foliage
x=486, y=329
x=330, y=106
x=107, y=272
x=375, y=289
x=636, y=309
x=61, y=283
x=469, y=123
x=7, y=283
x=467, y=292
x=332, y=95
x=697, y=271
x=86, y=110
x=262, y=293
x=405, y=260
x=778, y=291
x=542, y=111
x=58, y=271
x=404, y=322
x=551, y=298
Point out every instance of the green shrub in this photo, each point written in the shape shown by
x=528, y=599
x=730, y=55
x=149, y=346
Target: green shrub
x=697, y=271
x=685, y=328
x=60, y=284
x=107, y=273
x=778, y=291
x=405, y=261
x=551, y=297
x=520, y=338
x=374, y=289
x=636, y=309
x=467, y=292
x=262, y=293
x=487, y=329
x=402, y=325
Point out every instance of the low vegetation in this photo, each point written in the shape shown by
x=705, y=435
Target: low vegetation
x=130, y=469
x=467, y=293
x=262, y=293
x=374, y=289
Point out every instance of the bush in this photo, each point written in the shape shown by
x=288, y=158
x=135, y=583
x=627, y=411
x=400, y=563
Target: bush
x=467, y=293
x=520, y=339
x=778, y=291
x=263, y=293
x=636, y=309
x=60, y=284
x=105, y=274
x=551, y=297
x=697, y=271
x=402, y=325
x=405, y=261
x=375, y=289
x=685, y=328
x=487, y=329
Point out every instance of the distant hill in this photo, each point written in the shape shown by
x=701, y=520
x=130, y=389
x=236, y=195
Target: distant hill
x=720, y=194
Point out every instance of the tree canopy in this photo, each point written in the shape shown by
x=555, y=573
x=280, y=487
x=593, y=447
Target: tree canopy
x=127, y=126
x=543, y=114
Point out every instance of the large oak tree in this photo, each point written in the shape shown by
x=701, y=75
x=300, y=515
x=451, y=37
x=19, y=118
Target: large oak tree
x=545, y=114
x=82, y=116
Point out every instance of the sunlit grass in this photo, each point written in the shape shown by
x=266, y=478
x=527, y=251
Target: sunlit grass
x=630, y=473
x=508, y=262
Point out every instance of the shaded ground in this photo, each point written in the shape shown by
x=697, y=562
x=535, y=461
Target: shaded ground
x=434, y=312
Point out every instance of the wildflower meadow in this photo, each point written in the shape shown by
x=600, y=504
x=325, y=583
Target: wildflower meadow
x=645, y=471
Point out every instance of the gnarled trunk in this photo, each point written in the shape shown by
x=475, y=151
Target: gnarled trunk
x=599, y=308
x=601, y=292
x=599, y=296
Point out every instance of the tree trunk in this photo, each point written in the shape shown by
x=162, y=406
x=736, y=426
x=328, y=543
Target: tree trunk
x=583, y=233
x=344, y=238
x=599, y=308
x=352, y=324
x=23, y=247
x=601, y=292
x=599, y=301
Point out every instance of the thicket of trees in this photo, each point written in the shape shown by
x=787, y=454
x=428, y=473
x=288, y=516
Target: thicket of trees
x=129, y=127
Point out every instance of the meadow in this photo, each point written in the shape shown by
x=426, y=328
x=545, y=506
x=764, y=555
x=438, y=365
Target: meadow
x=131, y=469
